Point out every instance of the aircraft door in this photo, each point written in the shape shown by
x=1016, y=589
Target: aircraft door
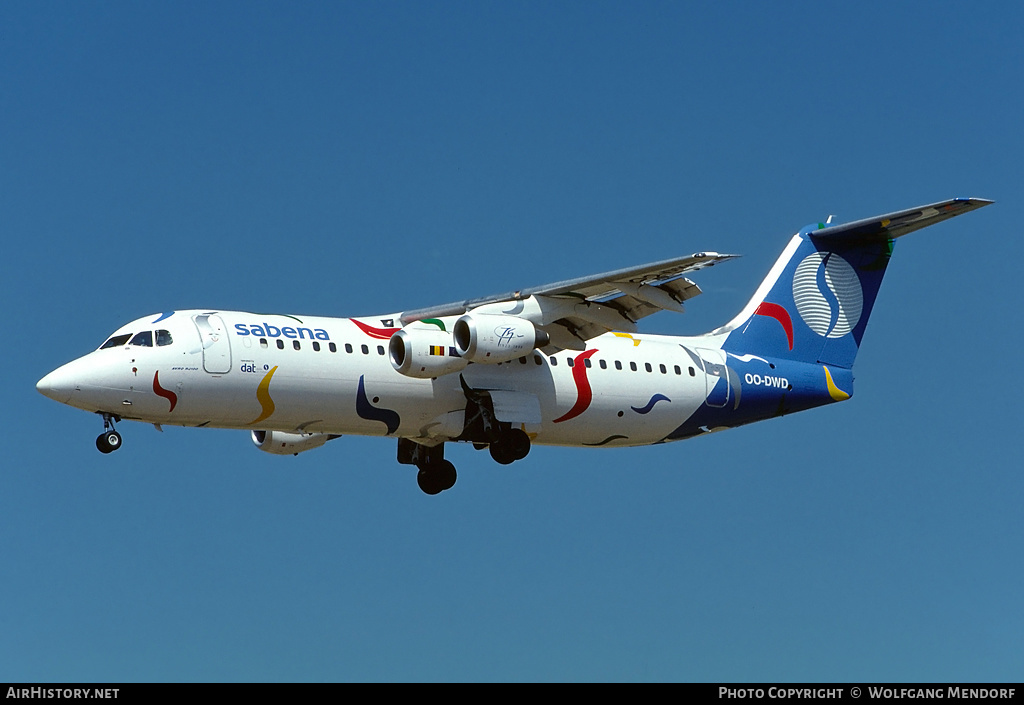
x=716, y=377
x=216, y=347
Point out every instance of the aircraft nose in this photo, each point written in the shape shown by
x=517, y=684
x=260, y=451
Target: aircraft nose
x=57, y=385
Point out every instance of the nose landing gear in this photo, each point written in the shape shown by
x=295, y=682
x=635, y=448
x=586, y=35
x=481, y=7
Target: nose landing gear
x=110, y=439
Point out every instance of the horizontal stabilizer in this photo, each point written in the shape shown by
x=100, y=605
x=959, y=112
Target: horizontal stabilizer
x=894, y=225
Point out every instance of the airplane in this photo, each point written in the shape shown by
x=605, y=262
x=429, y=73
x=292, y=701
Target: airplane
x=562, y=364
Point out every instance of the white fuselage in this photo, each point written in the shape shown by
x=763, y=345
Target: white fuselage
x=334, y=376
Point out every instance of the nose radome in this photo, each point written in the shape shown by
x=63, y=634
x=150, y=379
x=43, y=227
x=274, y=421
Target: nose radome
x=57, y=385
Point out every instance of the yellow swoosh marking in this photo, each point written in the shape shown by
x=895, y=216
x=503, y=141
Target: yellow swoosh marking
x=263, y=397
x=627, y=335
x=834, y=391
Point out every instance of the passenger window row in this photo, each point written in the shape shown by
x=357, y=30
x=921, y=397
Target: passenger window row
x=603, y=364
x=365, y=349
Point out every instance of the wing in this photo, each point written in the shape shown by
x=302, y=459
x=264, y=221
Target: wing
x=576, y=310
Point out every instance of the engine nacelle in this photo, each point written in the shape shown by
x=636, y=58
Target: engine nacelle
x=488, y=338
x=424, y=353
x=281, y=443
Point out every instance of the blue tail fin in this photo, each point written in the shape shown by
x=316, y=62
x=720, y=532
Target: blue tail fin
x=815, y=302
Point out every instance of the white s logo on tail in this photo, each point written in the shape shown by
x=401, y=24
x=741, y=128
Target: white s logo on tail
x=815, y=307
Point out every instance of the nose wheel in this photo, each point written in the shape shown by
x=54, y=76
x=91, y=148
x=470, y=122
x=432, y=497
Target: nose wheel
x=110, y=439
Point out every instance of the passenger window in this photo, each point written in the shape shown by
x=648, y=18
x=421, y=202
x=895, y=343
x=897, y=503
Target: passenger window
x=263, y=342
x=632, y=366
x=604, y=365
x=380, y=349
x=647, y=366
x=536, y=359
x=144, y=339
x=116, y=342
x=280, y=344
x=366, y=350
x=569, y=361
x=334, y=348
x=678, y=371
x=163, y=337
x=618, y=365
x=692, y=373
x=348, y=347
x=316, y=346
x=554, y=362
x=586, y=362
x=663, y=370
x=295, y=344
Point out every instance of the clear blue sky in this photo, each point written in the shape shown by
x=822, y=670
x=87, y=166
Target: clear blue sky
x=360, y=158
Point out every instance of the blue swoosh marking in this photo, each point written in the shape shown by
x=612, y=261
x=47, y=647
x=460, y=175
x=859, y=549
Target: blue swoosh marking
x=650, y=405
x=367, y=411
x=609, y=439
x=163, y=316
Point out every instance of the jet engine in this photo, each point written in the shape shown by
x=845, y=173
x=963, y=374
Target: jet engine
x=424, y=353
x=281, y=443
x=491, y=338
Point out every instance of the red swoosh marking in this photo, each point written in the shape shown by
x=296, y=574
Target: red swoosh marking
x=380, y=333
x=779, y=314
x=165, y=393
x=585, y=394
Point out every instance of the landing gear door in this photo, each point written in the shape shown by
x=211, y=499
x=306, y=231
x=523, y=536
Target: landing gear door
x=216, y=348
x=515, y=407
x=716, y=376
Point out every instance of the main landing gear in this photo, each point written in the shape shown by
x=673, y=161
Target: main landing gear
x=506, y=444
x=110, y=439
x=436, y=477
x=435, y=473
x=509, y=445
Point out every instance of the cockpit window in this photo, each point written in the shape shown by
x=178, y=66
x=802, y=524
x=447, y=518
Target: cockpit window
x=116, y=341
x=145, y=339
x=163, y=337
